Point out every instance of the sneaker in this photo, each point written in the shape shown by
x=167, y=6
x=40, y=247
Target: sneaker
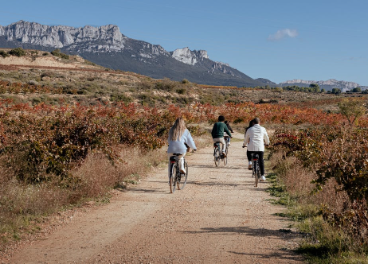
x=224, y=154
x=263, y=178
x=182, y=171
x=250, y=167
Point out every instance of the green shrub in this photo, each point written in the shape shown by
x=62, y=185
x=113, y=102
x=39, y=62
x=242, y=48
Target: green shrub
x=144, y=85
x=47, y=74
x=3, y=54
x=19, y=52
x=89, y=62
x=120, y=98
x=166, y=85
x=181, y=91
x=59, y=54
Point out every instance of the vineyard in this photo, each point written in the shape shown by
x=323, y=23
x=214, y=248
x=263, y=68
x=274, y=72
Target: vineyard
x=43, y=141
x=52, y=139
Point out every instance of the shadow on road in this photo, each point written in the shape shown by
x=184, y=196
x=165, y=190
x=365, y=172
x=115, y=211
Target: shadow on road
x=214, y=167
x=285, y=255
x=256, y=232
x=215, y=183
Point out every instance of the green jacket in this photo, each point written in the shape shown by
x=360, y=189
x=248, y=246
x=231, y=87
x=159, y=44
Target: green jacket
x=218, y=130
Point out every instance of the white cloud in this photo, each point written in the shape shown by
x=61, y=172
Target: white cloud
x=283, y=33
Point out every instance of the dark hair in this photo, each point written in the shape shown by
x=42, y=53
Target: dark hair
x=251, y=123
x=221, y=118
x=256, y=120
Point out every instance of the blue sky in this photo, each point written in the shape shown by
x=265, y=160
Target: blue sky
x=274, y=39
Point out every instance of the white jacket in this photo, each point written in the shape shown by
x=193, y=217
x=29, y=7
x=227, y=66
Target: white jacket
x=179, y=146
x=255, y=137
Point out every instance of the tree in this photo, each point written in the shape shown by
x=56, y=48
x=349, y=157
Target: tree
x=336, y=91
x=352, y=110
x=314, y=87
x=323, y=90
x=357, y=90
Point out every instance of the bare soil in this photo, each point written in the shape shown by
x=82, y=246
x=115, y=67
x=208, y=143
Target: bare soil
x=219, y=217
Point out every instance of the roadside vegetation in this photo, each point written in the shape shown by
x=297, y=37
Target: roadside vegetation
x=321, y=176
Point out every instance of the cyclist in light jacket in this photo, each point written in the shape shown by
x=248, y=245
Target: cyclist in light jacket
x=179, y=137
x=256, y=137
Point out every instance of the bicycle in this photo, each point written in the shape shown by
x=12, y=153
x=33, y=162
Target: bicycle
x=217, y=154
x=227, y=140
x=177, y=179
x=256, y=170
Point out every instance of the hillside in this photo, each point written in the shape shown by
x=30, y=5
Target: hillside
x=39, y=58
x=77, y=80
x=108, y=47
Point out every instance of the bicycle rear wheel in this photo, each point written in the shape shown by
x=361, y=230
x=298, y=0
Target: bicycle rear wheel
x=173, y=178
x=182, y=181
x=257, y=174
x=217, y=157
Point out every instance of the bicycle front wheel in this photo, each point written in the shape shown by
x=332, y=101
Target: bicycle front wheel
x=173, y=178
x=217, y=157
x=182, y=181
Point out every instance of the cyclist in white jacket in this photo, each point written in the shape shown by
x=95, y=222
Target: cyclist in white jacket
x=179, y=139
x=255, y=139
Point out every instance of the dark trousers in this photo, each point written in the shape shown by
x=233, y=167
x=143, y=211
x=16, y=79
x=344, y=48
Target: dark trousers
x=248, y=156
x=260, y=159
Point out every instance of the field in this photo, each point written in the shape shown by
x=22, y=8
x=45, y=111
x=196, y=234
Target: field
x=62, y=126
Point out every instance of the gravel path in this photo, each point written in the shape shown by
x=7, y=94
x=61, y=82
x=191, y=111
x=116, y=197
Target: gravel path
x=218, y=218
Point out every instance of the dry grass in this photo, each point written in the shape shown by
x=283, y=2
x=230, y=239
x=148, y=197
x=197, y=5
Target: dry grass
x=203, y=141
x=298, y=183
x=21, y=205
x=325, y=243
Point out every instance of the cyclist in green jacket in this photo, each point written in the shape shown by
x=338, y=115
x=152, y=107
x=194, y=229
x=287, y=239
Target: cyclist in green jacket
x=218, y=133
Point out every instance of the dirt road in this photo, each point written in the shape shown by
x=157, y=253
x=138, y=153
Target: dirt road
x=218, y=218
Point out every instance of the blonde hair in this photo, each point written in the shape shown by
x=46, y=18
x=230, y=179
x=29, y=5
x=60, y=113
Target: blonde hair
x=177, y=130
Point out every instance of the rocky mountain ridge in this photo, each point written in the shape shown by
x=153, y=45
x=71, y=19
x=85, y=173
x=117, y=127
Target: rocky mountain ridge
x=328, y=84
x=64, y=36
x=108, y=47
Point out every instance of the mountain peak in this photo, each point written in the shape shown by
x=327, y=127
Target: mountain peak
x=64, y=36
x=187, y=56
